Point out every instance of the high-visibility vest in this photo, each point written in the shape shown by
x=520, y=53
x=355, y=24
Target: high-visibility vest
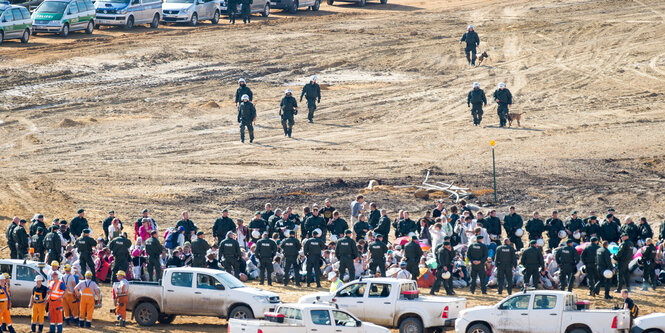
x=57, y=291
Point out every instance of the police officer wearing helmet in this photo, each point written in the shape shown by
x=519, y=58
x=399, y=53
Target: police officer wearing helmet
x=603, y=263
x=505, y=260
x=567, y=258
x=288, y=108
x=291, y=247
x=472, y=41
x=243, y=89
x=246, y=116
x=503, y=98
x=476, y=99
x=312, y=93
x=313, y=248
x=85, y=245
x=445, y=256
x=589, y=260
x=477, y=255
x=346, y=252
x=378, y=250
x=532, y=260
x=266, y=249
x=511, y=223
x=229, y=250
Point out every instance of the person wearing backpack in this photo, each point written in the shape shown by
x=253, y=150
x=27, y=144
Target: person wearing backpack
x=171, y=241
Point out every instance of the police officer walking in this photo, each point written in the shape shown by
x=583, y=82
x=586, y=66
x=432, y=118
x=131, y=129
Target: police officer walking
x=413, y=253
x=243, y=89
x=503, y=98
x=246, y=11
x=246, y=116
x=472, y=41
x=22, y=240
x=154, y=250
x=199, y=248
x=229, y=249
x=232, y=7
x=445, y=256
x=603, y=263
x=476, y=98
x=511, y=223
x=313, y=247
x=346, y=252
x=291, y=247
x=567, y=258
x=477, y=255
x=532, y=260
x=85, y=245
x=623, y=257
x=11, y=243
x=378, y=250
x=505, y=260
x=266, y=249
x=288, y=108
x=312, y=93
x=119, y=247
x=589, y=260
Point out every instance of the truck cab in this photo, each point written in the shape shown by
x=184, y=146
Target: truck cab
x=128, y=13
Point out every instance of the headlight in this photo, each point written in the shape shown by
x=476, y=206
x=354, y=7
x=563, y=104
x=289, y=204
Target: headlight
x=55, y=22
x=262, y=299
x=462, y=314
x=184, y=11
x=122, y=11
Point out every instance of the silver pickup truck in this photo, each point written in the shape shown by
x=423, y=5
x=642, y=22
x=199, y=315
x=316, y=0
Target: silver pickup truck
x=22, y=279
x=197, y=292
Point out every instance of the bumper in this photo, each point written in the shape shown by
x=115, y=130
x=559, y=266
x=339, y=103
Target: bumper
x=449, y=323
x=111, y=19
x=460, y=325
x=175, y=18
x=47, y=28
x=263, y=308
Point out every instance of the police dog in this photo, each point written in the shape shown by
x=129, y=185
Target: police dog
x=514, y=117
x=481, y=58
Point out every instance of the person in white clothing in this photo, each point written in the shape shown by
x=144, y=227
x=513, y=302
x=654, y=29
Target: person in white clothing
x=403, y=273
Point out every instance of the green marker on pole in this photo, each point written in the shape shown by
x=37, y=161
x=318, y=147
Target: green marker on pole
x=492, y=143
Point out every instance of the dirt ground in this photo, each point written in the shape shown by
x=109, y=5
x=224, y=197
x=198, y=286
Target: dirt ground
x=127, y=120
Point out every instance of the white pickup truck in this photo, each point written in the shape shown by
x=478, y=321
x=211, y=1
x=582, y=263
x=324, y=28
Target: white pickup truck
x=393, y=303
x=541, y=311
x=197, y=292
x=305, y=318
x=653, y=323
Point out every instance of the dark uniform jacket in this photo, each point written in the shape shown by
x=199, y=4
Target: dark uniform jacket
x=406, y=226
x=532, y=257
x=22, y=239
x=360, y=227
x=338, y=226
x=77, y=225
x=229, y=249
x=85, y=244
x=288, y=105
x=476, y=96
x=574, y=224
x=266, y=249
x=444, y=257
x=153, y=247
x=504, y=96
x=384, y=226
x=373, y=219
x=313, y=247
x=199, y=247
x=346, y=248
x=291, y=247
x=632, y=230
x=477, y=251
x=603, y=259
x=505, y=256
x=222, y=226
x=625, y=253
x=188, y=225
x=36, y=224
x=589, y=254
x=609, y=231
x=246, y=113
x=511, y=223
x=645, y=231
x=553, y=226
x=412, y=251
x=311, y=91
x=471, y=38
x=243, y=90
x=492, y=225
x=119, y=246
x=567, y=256
x=378, y=250
x=535, y=227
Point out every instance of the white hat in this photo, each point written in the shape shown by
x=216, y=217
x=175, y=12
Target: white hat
x=242, y=80
x=502, y=85
x=476, y=84
x=331, y=275
x=245, y=97
x=2, y=277
x=314, y=78
x=470, y=27
x=288, y=91
x=39, y=278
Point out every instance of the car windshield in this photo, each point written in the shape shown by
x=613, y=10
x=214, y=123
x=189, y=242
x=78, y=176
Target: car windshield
x=229, y=280
x=179, y=1
x=53, y=7
x=114, y=1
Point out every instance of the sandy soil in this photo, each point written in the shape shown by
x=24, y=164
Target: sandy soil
x=125, y=120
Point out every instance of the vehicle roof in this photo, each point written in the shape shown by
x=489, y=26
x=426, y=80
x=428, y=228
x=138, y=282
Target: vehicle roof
x=383, y=280
x=67, y=1
x=19, y=261
x=308, y=306
x=193, y=269
x=546, y=292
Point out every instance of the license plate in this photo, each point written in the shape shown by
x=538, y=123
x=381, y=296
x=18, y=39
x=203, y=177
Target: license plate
x=106, y=21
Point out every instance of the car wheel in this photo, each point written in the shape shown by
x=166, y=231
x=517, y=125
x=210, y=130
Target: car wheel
x=130, y=22
x=316, y=6
x=330, y=2
x=145, y=314
x=294, y=7
x=155, y=22
x=166, y=319
x=266, y=11
x=362, y=3
x=478, y=328
x=26, y=36
x=65, y=30
x=215, y=18
x=241, y=312
x=90, y=28
x=195, y=20
x=411, y=325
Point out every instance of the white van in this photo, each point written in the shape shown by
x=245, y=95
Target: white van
x=191, y=11
x=63, y=16
x=128, y=13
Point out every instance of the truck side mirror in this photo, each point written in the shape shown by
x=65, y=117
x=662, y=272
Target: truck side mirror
x=219, y=287
x=359, y=323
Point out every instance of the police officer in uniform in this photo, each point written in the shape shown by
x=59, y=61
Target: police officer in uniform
x=535, y=227
x=257, y=224
x=649, y=257
x=476, y=98
x=505, y=260
x=445, y=256
x=589, y=260
x=413, y=253
x=291, y=247
x=567, y=258
x=119, y=246
x=532, y=260
x=511, y=223
x=472, y=41
x=288, y=108
x=223, y=225
x=623, y=257
x=384, y=226
x=246, y=10
x=573, y=224
x=243, y=89
x=316, y=221
x=493, y=226
x=37, y=242
x=312, y=92
x=199, y=248
x=378, y=250
x=53, y=244
x=266, y=249
x=37, y=222
x=229, y=249
x=154, y=250
x=553, y=225
x=232, y=6
x=11, y=243
x=78, y=224
x=246, y=116
x=85, y=245
x=477, y=255
x=313, y=247
x=346, y=252
x=503, y=98
x=22, y=240
x=603, y=262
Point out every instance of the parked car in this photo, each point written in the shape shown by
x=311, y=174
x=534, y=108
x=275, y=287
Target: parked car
x=392, y=303
x=292, y=5
x=258, y=7
x=15, y=23
x=191, y=11
x=128, y=13
x=64, y=16
x=22, y=279
x=361, y=3
x=653, y=323
x=304, y=318
x=197, y=292
x=541, y=311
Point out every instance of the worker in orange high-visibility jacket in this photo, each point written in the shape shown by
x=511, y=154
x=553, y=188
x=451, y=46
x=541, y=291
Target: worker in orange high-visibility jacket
x=88, y=291
x=38, y=304
x=56, y=291
x=70, y=302
x=121, y=294
x=6, y=304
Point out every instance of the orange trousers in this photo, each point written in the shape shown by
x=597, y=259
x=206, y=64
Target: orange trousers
x=87, y=308
x=55, y=311
x=70, y=306
x=121, y=307
x=4, y=313
x=38, y=312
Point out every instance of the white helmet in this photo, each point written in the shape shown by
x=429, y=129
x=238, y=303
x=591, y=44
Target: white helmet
x=562, y=234
x=502, y=85
x=314, y=78
x=577, y=235
x=245, y=97
x=608, y=274
x=39, y=278
x=331, y=275
x=288, y=91
x=317, y=231
x=470, y=27
x=446, y=275
x=519, y=232
x=583, y=269
x=476, y=84
x=540, y=242
x=333, y=238
x=242, y=81
x=256, y=234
